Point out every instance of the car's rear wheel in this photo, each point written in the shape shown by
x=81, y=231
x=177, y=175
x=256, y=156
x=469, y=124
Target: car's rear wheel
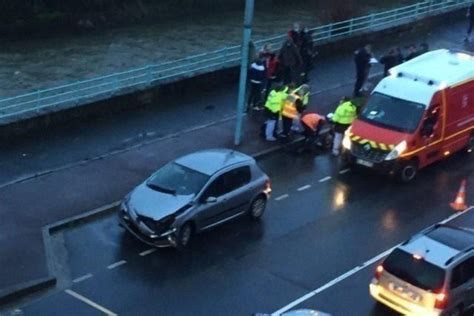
x=257, y=208
x=184, y=236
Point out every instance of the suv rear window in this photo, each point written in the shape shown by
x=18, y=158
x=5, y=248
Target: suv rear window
x=417, y=272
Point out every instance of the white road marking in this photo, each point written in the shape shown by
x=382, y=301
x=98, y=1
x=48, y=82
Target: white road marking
x=351, y=272
x=82, y=278
x=116, y=264
x=325, y=179
x=344, y=171
x=147, y=252
x=90, y=303
x=305, y=187
x=282, y=197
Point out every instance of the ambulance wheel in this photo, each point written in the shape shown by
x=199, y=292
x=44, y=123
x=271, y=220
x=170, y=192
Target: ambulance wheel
x=408, y=171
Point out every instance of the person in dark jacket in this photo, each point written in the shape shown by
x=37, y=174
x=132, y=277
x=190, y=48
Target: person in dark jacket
x=399, y=56
x=306, y=52
x=362, y=58
x=412, y=53
x=257, y=74
x=271, y=63
x=290, y=61
x=389, y=60
x=470, y=17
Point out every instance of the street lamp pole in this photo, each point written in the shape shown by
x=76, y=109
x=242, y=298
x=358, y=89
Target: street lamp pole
x=249, y=5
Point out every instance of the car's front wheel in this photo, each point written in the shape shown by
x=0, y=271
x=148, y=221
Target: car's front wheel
x=408, y=171
x=257, y=208
x=184, y=236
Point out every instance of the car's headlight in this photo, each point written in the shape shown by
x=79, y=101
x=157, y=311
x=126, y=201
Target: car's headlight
x=346, y=141
x=397, y=151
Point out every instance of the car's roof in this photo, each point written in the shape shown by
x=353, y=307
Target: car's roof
x=439, y=244
x=212, y=160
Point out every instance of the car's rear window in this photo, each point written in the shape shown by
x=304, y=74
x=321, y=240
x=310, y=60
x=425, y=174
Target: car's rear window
x=417, y=272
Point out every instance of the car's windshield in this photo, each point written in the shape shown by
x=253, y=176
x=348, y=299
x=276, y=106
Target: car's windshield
x=397, y=114
x=417, y=272
x=177, y=179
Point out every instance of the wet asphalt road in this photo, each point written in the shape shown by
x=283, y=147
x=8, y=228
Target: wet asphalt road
x=305, y=240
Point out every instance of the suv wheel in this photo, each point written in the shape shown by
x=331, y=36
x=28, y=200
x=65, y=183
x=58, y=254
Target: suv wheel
x=408, y=171
x=257, y=208
x=184, y=236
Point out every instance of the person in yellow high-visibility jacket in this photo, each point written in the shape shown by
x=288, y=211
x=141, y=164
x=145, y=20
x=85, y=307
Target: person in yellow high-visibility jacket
x=346, y=113
x=273, y=107
x=292, y=107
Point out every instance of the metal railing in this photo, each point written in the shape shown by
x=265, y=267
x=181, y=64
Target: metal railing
x=100, y=88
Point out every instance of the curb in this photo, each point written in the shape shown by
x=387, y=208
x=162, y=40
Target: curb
x=22, y=290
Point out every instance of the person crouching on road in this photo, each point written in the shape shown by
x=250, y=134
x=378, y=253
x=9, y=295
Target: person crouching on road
x=292, y=107
x=345, y=114
x=312, y=124
x=257, y=74
x=273, y=108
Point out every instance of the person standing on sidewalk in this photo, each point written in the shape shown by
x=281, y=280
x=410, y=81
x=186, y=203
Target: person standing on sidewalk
x=470, y=17
x=362, y=59
x=306, y=52
x=271, y=64
x=290, y=61
x=345, y=114
x=273, y=108
x=256, y=78
x=389, y=60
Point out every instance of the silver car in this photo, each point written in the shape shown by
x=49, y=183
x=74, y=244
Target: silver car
x=192, y=194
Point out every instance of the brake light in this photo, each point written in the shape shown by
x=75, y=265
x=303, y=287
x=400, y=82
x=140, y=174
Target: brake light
x=268, y=187
x=441, y=300
x=378, y=271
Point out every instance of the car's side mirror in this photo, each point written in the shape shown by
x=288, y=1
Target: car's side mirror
x=211, y=199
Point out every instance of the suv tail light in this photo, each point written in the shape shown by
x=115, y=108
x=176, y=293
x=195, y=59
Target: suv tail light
x=441, y=300
x=378, y=272
x=268, y=187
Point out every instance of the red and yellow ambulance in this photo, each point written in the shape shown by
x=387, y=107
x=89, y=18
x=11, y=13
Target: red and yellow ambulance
x=421, y=113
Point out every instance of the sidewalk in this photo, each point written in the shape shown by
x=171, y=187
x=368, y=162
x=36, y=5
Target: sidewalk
x=28, y=205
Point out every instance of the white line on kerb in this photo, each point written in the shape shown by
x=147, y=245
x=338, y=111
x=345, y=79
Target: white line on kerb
x=344, y=171
x=305, y=187
x=325, y=179
x=116, y=264
x=90, y=303
x=82, y=278
x=282, y=197
x=351, y=272
x=147, y=252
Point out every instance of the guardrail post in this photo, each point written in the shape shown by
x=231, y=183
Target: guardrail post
x=372, y=19
x=351, y=25
x=225, y=52
x=38, y=98
x=149, y=75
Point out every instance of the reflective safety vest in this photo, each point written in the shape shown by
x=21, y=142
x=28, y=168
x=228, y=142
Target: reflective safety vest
x=312, y=120
x=289, y=107
x=345, y=113
x=305, y=98
x=275, y=100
